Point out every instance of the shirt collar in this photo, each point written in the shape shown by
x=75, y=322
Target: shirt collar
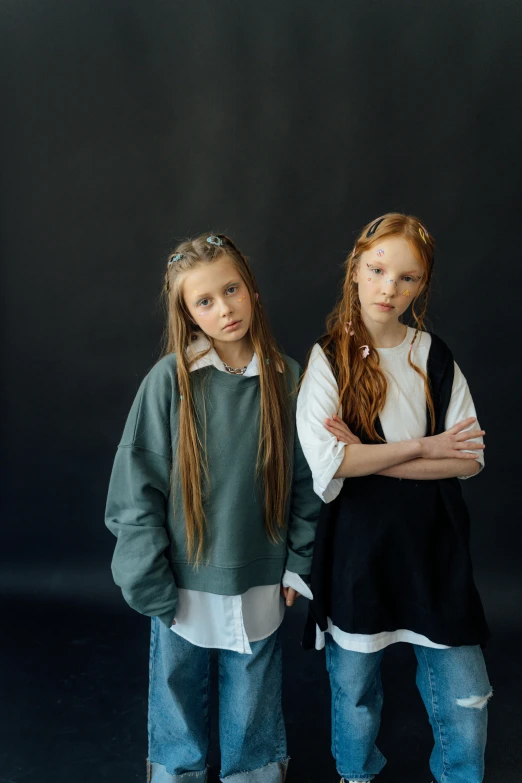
x=201, y=344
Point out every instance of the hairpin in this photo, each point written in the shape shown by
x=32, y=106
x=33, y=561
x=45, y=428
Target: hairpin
x=256, y=296
x=214, y=240
x=175, y=258
x=349, y=330
x=423, y=235
x=371, y=231
x=366, y=351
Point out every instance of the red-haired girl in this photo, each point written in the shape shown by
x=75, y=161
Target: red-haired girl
x=388, y=426
x=211, y=499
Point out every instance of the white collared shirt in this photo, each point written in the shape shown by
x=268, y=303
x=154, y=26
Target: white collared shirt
x=231, y=622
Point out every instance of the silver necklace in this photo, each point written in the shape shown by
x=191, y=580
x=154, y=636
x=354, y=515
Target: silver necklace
x=234, y=370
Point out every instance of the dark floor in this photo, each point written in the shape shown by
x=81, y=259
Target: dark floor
x=74, y=706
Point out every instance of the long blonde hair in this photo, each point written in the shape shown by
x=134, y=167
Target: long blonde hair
x=362, y=383
x=273, y=463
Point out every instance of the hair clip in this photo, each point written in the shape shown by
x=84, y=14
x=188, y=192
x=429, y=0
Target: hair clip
x=256, y=296
x=214, y=240
x=175, y=258
x=366, y=351
x=348, y=329
x=371, y=231
x=267, y=361
x=423, y=235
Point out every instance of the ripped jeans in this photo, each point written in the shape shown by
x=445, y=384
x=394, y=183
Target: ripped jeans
x=455, y=689
x=251, y=726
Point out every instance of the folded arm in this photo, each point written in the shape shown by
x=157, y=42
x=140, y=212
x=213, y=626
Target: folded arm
x=419, y=469
x=451, y=453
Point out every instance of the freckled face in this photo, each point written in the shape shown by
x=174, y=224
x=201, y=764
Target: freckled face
x=389, y=277
x=218, y=300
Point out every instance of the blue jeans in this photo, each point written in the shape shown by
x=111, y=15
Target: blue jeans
x=455, y=689
x=251, y=726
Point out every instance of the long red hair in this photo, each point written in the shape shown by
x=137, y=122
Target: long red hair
x=362, y=383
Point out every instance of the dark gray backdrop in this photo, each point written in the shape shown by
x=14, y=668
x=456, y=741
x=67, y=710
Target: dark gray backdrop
x=128, y=125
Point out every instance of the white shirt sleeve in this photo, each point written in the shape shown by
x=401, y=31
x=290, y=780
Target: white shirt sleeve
x=461, y=407
x=319, y=400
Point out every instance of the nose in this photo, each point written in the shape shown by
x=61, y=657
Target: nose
x=389, y=286
x=226, y=306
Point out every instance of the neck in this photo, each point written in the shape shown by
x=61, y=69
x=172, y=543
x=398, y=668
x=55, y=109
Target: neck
x=237, y=354
x=385, y=335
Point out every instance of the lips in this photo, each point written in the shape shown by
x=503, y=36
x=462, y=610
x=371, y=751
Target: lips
x=384, y=306
x=231, y=324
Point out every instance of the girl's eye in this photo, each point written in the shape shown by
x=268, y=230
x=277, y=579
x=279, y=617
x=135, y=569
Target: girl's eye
x=232, y=289
x=376, y=271
x=203, y=302
x=410, y=279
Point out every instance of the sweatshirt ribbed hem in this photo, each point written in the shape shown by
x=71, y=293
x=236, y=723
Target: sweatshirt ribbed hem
x=233, y=580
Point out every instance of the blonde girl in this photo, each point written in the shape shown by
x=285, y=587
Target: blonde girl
x=212, y=504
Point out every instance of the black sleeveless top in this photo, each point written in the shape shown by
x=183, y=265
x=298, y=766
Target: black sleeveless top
x=394, y=553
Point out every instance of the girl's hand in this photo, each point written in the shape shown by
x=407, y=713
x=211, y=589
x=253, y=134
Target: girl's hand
x=289, y=595
x=342, y=432
x=451, y=444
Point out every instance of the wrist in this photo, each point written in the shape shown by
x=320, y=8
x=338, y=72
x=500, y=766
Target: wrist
x=418, y=448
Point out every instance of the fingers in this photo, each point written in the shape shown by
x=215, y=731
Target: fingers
x=291, y=595
x=461, y=425
x=465, y=455
x=340, y=430
x=468, y=444
x=339, y=435
x=470, y=434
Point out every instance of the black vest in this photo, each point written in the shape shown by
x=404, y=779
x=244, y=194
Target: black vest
x=394, y=553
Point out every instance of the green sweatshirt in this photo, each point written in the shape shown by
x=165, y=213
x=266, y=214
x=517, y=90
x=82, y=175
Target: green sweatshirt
x=145, y=511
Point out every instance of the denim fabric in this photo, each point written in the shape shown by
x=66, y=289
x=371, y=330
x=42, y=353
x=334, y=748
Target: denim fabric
x=251, y=726
x=449, y=681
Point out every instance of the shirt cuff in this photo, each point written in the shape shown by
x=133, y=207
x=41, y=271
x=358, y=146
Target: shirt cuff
x=290, y=579
x=481, y=468
x=325, y=485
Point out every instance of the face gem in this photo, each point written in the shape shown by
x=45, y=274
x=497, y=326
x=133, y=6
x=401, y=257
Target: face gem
x=369, y=279
x=380, y=252
x=407, y=292
x=390, y=281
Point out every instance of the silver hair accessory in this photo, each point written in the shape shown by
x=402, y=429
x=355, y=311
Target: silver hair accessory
x=175, y=258
x=213, y=240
